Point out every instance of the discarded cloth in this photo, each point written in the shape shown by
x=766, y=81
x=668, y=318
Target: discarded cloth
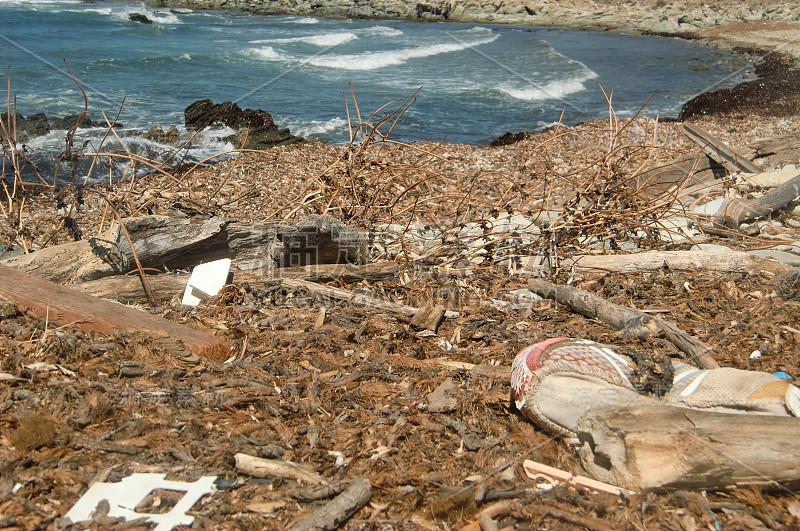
x=555, y=382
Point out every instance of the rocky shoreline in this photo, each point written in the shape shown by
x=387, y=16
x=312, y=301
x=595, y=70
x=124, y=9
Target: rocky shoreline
x=777, y=19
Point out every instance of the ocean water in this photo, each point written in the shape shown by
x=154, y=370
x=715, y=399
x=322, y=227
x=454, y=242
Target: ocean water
x=476, y=81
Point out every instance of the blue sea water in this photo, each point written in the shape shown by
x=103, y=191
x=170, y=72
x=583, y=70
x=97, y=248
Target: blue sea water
x=478, y=81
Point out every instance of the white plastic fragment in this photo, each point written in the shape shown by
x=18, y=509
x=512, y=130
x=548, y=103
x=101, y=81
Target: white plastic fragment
x=124, y=496
x=206, y=281
x=755, y=354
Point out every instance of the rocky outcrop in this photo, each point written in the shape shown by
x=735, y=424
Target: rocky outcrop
x=658, y=16
x=255, y=129
x=39, y=124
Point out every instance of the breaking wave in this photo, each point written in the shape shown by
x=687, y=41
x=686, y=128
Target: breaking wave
x=553, y=90
x=376, y=60
x=323, y=40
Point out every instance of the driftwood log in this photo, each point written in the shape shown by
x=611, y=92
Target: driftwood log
x=706, y=261
x=660, y=447
x=736, y=211
x=630, y=321
x=163, y=242
x=62, y=305
x=128, y=289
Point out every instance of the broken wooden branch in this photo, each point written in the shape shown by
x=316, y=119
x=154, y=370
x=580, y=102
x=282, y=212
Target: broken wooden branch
x=648, y=261
x=630, y=321
x=736, y=211
x=337, y=511
x=719, y=150
x=661, y=447
x=264, y=468
x=429, y=317
x=128, y=289
x=63, y=305
x=179, y=243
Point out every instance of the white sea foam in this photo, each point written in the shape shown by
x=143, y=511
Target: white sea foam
x=323, y=39
x=185, y=57
x=159, y=17
x=376, y=60
x=553, y=90
x=301, y=20
x=380, y=31
x=318, y=127
x=267, y=53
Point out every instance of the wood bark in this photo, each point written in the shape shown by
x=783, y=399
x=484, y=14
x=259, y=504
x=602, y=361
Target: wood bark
x=705, y=261
x=128, y=289
x=661, y=447
x=719, y=150
x=630, y=321
x=163, y=242
x=736, y=211
x=62, y=305
x=335, y=513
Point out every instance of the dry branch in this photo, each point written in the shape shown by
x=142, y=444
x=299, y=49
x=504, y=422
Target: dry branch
x=628, y=320
x=336, y=512
x=659, y=447
x=264, y=468
x=425, y=317
x=706, y=261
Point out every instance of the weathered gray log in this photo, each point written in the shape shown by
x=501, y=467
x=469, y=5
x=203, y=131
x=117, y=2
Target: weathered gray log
x=736, y=211
x=719, y=150
x=706, y=261
x=337, y=511
x=128, y=289
x=630, y=321
x=661, y=447
x=175, y=243
x=775, y=152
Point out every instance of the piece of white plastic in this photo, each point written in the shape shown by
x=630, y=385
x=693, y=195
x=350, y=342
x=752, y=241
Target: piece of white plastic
x=206, y=281
x=124, y=496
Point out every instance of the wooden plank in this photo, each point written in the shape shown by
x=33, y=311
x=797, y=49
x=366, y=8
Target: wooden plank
x=62, y=305
x=719, y=150
x=661, y=447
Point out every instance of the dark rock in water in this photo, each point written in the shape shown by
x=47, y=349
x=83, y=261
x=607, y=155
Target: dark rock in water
x=69, y=121
x=255, y=127
x=27, y=128
x=508, y=139
x=38, y=124
x=138, y=17
x=157, y=134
